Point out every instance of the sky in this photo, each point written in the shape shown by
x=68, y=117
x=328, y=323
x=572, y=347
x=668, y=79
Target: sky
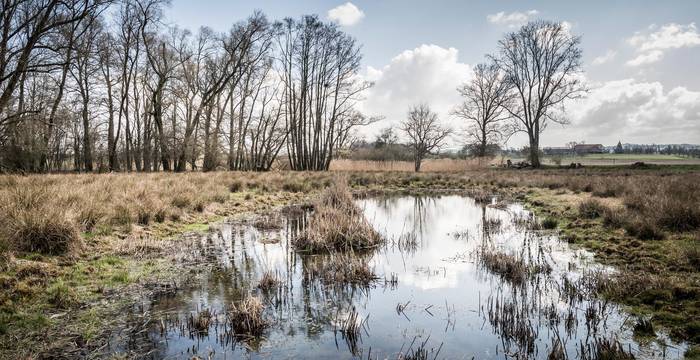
x=640, y=58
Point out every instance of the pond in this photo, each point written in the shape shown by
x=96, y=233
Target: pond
x=442, y=291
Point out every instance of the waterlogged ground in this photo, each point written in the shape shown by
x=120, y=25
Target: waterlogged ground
x=435, y=294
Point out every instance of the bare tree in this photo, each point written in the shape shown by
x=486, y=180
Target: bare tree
x=319, y=64
x=424, y=132
x=484, y=99
x=541, y=62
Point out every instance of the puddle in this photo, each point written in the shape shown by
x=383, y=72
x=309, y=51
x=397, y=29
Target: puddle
x=434, y=294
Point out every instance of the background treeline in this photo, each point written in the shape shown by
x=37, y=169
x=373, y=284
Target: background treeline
x=99, y=85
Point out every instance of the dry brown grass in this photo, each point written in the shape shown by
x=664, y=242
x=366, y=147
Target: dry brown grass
x=47, y=213
x=340, y=269
x=337, y=224
x=246, y=317
x=268, y=281
x=429, y=165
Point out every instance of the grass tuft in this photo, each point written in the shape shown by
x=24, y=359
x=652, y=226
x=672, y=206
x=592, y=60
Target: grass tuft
x=246, y=317
x=337, y=225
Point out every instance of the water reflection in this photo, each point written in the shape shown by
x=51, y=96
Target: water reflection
x=434, y=297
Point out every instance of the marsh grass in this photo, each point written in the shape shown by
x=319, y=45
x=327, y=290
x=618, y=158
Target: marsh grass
x=31, y=224
x=590, y=209
x=268, y=281
x=340, y=269
x=200, y=322
x=512, y=268
x=337, y=224
x=246, y=317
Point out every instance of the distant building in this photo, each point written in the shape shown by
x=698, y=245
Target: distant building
x=589, y=148
x=557, y=150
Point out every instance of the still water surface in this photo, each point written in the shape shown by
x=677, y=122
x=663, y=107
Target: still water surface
x=434, y=295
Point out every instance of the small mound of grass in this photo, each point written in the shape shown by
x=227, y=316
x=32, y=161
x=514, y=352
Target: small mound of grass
x=643, y=230
x=590, y=209
x=246, y=317
x=268, y=281
x=337, y=225
x=340, y=269
x=30, y=224
x=510, y=267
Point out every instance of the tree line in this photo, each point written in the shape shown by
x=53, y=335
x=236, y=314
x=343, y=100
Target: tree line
x=106, y=85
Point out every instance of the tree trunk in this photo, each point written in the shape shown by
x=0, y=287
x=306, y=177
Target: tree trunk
x=535, y=151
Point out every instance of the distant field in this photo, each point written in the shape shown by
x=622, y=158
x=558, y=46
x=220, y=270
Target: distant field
x=621, y=159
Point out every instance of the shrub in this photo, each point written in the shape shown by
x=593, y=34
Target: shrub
x=590, y=209
x=30, y=223
x=295, y=186
x=89, y=216
x=693, y=257
x=143, y=215
x=121, y=215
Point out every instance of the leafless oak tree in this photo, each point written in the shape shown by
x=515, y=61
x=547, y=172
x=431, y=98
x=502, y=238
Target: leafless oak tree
x=483, y=107
x=425, y=133
x=542, y=63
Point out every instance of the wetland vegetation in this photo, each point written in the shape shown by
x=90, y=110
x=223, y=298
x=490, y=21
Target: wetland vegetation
x=219, y=252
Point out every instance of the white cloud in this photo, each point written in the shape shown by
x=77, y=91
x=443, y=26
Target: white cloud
x=605, y=58
x=652, y=44
x=646, y=58
x=346, y=14
x=513, y=19
x=632, y=111
x=427, y=74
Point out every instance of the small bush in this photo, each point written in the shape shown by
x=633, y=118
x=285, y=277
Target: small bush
x=590, y=209
x=181, y=201
x=143, y=215
x=340, y=269
x=693, y=257
x=160, y=214
x=89, y=216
